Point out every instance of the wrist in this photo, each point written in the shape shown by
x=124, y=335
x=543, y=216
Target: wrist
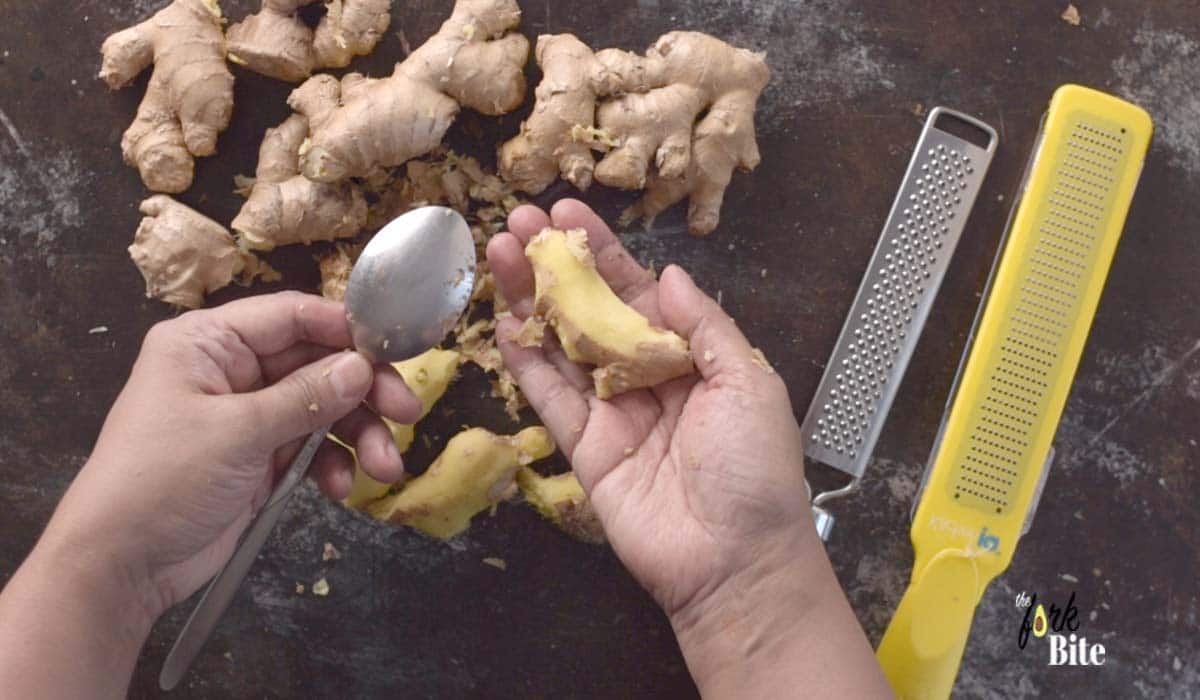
x=72, y=625
x=737, y=638
x=96, y=582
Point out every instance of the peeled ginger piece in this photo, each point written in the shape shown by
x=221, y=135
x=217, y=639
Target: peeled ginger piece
x=592, y=323
x=561, y=500
x=475, y=472
x=427, y=375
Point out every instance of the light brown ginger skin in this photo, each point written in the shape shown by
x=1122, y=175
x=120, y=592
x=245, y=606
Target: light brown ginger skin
x=284, y=207
x=190, y=96
x=183, y=254
x=565, y=98
x=276, y=42
x=335, y=266
x=648, y=106
x=364, y=124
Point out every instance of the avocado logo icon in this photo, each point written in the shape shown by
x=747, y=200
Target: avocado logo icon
x=1039, y=622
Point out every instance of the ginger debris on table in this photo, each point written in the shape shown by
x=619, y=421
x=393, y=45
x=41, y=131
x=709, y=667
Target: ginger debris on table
x=276, y=41
x=284, y=207
x=675, y=122
x=335, y=266
x=592, y=323
x=362, y=124
x=427, y=375
x=184, y=255
x=474, y=473
x=561, y=500
x=190, y=96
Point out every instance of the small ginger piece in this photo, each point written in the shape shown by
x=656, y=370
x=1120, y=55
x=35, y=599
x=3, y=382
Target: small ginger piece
x=184, y=255
x=1071, y=15
x=675, y=122
x=276, y=42
x=561, y=500
x=190, y=96
x=335, y=266
x=362, y=124
x=592, y=323
x=475, y=472
x=427, y=375
x=284, y=207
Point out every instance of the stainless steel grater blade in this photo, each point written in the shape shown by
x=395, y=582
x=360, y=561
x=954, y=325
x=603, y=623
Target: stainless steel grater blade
x=929, y=213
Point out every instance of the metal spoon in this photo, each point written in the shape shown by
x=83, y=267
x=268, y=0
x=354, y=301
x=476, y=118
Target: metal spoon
x=407, y=290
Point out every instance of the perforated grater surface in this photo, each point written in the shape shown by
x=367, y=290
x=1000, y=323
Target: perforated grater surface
x=877, y=340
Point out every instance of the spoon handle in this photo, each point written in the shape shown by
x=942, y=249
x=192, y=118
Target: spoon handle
x=221, y=590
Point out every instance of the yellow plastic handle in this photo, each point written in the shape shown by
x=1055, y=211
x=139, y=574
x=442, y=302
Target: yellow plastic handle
x=923, y=645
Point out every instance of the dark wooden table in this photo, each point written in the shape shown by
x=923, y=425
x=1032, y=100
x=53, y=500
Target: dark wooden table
x=1118, y=524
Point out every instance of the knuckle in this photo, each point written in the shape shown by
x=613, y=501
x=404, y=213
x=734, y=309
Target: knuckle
x=305, y=394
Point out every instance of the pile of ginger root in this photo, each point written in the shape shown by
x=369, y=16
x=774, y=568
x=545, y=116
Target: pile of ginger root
x=674, y=122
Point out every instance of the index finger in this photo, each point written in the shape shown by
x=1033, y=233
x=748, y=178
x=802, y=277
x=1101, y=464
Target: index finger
x=271, y=323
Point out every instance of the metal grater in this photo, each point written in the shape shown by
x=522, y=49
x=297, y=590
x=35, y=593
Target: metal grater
x=993, y=450
x=929, y=213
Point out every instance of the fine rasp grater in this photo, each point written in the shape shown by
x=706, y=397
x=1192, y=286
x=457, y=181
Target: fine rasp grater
x=944, y=176
x=992, y=453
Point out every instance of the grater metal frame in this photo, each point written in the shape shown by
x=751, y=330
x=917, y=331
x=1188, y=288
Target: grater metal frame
x=879, y=335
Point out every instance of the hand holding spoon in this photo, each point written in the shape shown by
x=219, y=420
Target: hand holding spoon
x=406, y=291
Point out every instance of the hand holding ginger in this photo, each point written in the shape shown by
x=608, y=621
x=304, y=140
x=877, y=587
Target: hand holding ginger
x=698, y=481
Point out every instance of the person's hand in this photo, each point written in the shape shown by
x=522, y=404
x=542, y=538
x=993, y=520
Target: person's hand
x=217, y=405
x=698, y=482
x=694, y=480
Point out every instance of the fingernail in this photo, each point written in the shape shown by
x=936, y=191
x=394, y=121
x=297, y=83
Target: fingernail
x=350, y=375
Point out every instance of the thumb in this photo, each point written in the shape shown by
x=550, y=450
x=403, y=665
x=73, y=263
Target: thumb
x=718, y=346
x=313, y=396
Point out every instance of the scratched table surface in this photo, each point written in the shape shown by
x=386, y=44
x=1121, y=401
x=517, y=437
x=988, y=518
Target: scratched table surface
x=1118, y=525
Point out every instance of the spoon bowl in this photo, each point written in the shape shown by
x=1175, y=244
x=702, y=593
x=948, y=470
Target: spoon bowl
x=411, y=284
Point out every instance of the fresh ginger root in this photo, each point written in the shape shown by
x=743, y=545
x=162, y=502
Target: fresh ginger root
x=190, y=96
x=285, y=207
x=427, y=376
x=276, y=42
x=592, y=323
x=561, y=500
x=184, y=255
x=643, y=111
x=363, y=124
x=475, y=472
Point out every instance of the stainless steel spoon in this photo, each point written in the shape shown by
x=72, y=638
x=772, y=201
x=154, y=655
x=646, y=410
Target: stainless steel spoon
x=407, y=290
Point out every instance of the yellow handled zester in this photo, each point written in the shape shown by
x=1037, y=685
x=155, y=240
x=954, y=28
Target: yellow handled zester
x=991, y=455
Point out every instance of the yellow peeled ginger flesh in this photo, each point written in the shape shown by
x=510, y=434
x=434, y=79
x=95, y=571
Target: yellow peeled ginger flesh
x=592, y=323
x=561, y=500
x=475, y=472
x=428, y=375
